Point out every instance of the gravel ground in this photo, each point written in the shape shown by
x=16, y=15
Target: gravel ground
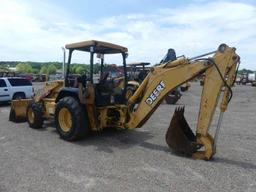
x=138, y=160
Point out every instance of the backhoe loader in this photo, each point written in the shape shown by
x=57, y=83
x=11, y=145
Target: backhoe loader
x=94, y=106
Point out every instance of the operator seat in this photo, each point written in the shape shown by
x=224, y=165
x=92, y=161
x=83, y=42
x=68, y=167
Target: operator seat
x=107, y=88
x=103, y=91
x=170, y=56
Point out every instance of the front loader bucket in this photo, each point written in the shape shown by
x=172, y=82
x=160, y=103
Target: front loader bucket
x=18, y=110
x=179, y=136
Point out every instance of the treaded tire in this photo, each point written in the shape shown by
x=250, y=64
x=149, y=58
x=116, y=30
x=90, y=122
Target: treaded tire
x=38, y=111
x=172, y=97
x=183, y=89
x=79, y=125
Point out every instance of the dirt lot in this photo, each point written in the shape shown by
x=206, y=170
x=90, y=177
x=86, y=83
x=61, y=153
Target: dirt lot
x=139, y=160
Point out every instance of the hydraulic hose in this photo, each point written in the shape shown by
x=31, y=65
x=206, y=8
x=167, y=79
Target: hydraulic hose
x=222, y=78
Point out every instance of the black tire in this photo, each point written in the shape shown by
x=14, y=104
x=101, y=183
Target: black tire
x=183, y=89
x=18, y=96
x=79, y=127
x=36, y=120
x=172, y=97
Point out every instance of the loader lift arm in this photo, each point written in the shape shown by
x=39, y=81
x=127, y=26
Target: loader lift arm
x=219, y=71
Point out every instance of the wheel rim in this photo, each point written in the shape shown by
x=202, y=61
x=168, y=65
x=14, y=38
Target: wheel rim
x=65, y=119
x=31, y=116
x=129, y=93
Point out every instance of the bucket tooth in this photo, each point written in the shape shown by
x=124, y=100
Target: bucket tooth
x=179, y=136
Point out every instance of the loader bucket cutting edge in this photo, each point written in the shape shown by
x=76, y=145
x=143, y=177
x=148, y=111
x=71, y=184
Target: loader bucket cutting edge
x=179, y=136
x=18, y=110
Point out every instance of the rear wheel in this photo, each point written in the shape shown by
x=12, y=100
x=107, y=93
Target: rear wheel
x=183, y=89
x=172, y=97
x=35, y=115
x=71, y=119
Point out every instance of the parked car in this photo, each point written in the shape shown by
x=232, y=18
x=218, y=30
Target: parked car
x=12, y=88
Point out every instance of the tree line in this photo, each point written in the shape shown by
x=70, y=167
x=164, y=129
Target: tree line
x=47, y=67
x=53, y=67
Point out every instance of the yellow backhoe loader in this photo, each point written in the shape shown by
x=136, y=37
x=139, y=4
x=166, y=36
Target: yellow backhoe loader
x=94, y=106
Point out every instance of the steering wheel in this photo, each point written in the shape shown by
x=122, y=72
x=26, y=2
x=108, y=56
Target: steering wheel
x=82, y=79
x=104, y=78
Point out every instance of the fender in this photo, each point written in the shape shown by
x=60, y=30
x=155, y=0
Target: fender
x=68, y=91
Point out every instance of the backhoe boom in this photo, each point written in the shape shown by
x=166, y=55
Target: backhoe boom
x=219, y=71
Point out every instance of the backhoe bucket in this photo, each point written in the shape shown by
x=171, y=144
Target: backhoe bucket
x=18, y=110
x=179, y=136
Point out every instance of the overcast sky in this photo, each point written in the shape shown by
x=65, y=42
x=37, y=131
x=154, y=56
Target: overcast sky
x=33, y=30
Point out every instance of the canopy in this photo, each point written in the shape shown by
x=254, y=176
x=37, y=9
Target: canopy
x=99, y=47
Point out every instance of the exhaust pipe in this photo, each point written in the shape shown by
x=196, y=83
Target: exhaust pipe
x=64, y=61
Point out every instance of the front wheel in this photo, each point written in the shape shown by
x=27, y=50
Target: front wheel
x=34, y=115
x=71, y=119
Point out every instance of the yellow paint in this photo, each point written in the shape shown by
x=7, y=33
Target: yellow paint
x=46, y=95
x=31, y=116
x=65, y=119
x=176, y=73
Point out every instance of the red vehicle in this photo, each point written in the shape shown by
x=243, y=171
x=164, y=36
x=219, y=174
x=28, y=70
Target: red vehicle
x=26, y=76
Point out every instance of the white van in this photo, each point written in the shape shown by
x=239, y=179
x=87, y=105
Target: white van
x=12, y=88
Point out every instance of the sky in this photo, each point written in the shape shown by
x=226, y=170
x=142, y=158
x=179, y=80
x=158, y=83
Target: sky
x=33, y=30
